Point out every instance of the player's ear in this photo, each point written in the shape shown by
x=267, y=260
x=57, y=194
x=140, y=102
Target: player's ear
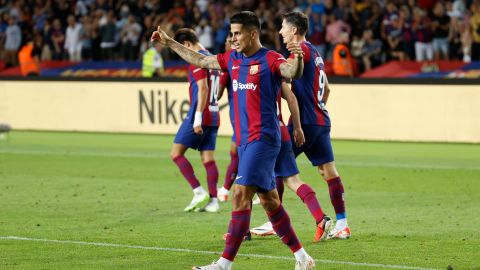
x=294, y=30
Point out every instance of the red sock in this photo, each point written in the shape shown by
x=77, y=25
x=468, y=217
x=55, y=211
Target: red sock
x=212, y=177
x=237, y=229
x=232, y=170
x=283, y=227
x=280, y=187
x=307, y=195
x=187, y=170
x=336, y=190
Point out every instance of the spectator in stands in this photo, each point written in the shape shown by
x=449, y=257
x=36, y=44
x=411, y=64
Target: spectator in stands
x=3, y=29
x=466, y=41
x=335, y=27
x=422, y=35
x=205, y=34
x=58, y=39
x=39, y=19
x=107, y=36
x=131, y=38
x=406, y=22
x=152, y=62
x=455, y=48
x=371, y=50
x=475, y=26
x=86, y=33
x=440, y=28
x=395, y=39
x=13, y=40
x=73, y=41
x=316, y=34
x=342, y=59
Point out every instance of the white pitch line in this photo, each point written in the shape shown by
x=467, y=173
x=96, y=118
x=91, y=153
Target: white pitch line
x=121, y=154
x=378, y=265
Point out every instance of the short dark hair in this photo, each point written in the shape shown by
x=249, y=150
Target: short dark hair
x=247, y=19
x=297, y=19
x=186, y=34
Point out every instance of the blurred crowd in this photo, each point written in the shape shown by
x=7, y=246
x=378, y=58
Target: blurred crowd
x=376, y=31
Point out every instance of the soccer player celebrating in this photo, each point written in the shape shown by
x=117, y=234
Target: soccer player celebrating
x=312, y=92
x=286, y=171
x=256, y=78
x=199, y=129
x=232, y=168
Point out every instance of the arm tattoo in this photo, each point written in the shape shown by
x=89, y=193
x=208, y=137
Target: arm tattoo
x=193, y=57
x=292, y=69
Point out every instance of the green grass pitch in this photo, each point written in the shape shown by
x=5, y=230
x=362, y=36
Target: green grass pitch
x=409, y=206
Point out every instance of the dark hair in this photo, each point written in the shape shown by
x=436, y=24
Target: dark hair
x=247, y=19
x=186, y=34
x=297, y=19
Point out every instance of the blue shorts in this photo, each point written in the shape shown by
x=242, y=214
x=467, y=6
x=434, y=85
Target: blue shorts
x=317, y=147
x=256, y=164
x=234, y=137
x=286, y=165
x=205, y=142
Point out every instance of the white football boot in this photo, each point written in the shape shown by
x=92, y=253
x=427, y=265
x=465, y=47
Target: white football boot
x=264, y=230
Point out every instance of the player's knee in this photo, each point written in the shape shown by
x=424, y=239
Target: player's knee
x=269, y=203
x=174, y=155
x=240, y=200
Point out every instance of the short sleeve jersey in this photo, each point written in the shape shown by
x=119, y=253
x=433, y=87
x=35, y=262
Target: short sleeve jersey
x=256, y=82
x=310, y=88
x=211, y=116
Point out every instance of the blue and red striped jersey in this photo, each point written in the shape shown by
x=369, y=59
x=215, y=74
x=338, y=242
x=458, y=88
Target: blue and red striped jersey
x=211, y=116
x=256, y=82
x=310, y=88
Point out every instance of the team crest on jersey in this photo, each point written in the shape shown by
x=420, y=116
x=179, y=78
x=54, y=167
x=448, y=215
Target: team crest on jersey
x=253, y=69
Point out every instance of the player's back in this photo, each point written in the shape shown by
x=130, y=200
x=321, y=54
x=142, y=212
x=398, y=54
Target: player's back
x=211, y=116
x=310, y=88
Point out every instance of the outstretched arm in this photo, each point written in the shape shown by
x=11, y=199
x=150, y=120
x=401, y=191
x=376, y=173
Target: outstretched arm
x=293, y=68
x=188, y=55
x=287, y=94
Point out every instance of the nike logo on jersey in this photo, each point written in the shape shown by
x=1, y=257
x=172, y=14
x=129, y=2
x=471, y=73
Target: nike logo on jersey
x=238, y=177
x=197, y=69
x=235, y=67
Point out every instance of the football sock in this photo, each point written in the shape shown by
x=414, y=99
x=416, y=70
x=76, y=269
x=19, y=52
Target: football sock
x=283, y=227
x=300, y=255
x=307, y=195
x=336, y=190
x=237, y=229
x=280, y=187
x=224, y=263
x=232, y=171
x=198, y=190
x=212, y=178
x=187, y=170
x=341, y=223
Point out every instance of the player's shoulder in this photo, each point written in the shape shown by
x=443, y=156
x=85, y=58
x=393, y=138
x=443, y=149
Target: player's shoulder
x=273, y=56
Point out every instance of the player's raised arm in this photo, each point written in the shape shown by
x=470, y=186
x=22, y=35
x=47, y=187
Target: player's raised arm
x=188, y=55
x=287, y=94
x=293, y=68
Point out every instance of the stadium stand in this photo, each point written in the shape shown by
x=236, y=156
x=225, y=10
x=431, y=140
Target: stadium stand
x=379, y=31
